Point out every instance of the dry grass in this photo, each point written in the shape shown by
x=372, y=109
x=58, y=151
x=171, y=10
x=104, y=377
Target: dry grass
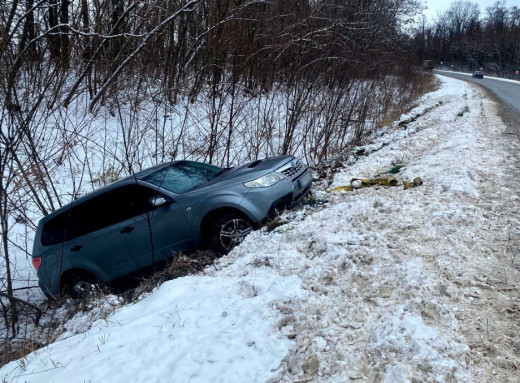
x=428, y=84
x=15, y=349
x=179, y=266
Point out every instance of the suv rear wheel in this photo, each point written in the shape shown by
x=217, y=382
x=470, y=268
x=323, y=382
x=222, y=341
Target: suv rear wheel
x=76, y=284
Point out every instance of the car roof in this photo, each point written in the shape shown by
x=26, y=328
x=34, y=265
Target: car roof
x=114, y=185
x=143, y=173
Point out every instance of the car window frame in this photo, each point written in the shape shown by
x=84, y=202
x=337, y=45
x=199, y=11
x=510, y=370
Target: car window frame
x=95, y=214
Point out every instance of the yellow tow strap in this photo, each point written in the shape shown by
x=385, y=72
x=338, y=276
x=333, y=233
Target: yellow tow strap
x=341, y=188
x=357, y=183
x=366, y=182
x=417, y=181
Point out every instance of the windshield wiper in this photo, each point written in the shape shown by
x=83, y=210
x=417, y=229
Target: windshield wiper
x=222, y=172
x=208, y=179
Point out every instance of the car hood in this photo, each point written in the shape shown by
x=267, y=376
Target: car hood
x=256, y=167
x=247, y=172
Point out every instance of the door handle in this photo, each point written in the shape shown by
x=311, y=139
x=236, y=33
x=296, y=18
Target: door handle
x=127, y=229
x=76, y=248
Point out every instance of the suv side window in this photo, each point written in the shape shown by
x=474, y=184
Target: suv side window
x=130, y=201
x=54, y=230
x=94, y=214
x=80, y=219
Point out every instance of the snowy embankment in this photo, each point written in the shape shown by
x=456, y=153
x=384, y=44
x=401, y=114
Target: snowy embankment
x=378, y=285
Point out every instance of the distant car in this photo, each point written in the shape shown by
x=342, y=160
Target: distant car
x=478, y=74
x=169, y=208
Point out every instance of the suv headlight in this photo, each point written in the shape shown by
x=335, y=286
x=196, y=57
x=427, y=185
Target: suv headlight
x=265, y=181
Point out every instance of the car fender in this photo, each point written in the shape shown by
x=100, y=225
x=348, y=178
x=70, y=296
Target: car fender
x=196, y=213
x=51, y=286
x=84, y=264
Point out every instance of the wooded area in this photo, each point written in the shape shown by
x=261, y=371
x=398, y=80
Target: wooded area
x=185, y=44
x=468, y=38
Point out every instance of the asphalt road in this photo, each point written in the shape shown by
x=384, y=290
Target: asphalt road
x=506, y=93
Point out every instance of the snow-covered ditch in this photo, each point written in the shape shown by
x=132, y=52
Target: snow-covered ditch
x=379, y=285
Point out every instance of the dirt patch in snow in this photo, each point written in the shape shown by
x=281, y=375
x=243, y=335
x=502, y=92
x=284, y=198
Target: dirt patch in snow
x=491, y=316
x=510, y=116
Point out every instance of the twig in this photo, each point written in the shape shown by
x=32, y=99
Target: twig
x=38, y=311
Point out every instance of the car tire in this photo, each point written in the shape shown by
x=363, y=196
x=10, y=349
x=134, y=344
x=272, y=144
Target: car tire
x=77, y=286
x=229, y=230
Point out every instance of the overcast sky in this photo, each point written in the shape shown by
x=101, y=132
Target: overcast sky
x=435, y=6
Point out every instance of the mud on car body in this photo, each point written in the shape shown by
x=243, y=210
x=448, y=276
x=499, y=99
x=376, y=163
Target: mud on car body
x=146, y=218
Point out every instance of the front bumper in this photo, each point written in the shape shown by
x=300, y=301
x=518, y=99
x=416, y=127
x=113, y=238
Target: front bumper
x=302, y=185
x=262, y=202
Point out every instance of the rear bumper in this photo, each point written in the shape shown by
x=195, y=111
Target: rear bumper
x=49, y=286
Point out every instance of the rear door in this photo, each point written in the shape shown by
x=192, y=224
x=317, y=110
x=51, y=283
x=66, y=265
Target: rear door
x=92, y=239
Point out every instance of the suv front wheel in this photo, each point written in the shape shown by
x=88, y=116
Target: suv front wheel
x=228, y=231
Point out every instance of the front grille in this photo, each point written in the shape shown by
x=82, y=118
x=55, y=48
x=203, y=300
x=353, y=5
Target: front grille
x=293, y=170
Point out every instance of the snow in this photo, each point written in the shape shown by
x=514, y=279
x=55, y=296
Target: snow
x=379, y=284
x=175, y=334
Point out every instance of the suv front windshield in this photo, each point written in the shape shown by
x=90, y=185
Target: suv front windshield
x=183, y=176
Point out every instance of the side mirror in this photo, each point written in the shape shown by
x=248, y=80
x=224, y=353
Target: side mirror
x=158, y=201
